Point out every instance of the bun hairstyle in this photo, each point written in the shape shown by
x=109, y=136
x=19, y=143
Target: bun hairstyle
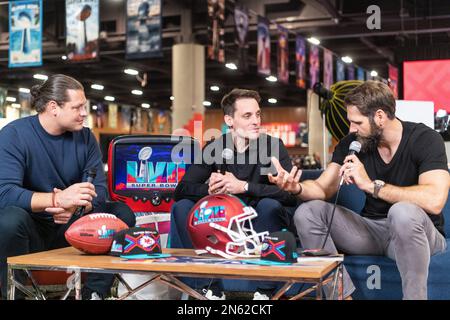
x=54, y=89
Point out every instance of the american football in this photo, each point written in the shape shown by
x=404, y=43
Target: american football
x=94, y=232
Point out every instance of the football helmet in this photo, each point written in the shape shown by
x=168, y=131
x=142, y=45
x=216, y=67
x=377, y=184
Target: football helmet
x=222, y=224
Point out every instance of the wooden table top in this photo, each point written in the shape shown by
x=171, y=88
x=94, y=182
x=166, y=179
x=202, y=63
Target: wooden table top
x=72, y=258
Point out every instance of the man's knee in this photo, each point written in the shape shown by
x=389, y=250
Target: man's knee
x=403, y=216
x=181, y=208
x=307, y=211
x=269, y=206
x=123, y=212
x=12, y=219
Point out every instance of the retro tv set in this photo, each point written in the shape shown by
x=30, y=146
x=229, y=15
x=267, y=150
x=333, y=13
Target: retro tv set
x=144, y=170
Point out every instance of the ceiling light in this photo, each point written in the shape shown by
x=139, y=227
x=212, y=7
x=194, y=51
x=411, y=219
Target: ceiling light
x=40, y=76
x=272, y=100
x=145, y=105
x=97, y=86
x=24, y=90
x=16, y=105
x=137, y=92
x=207, y=103
x=231, y=66
x=314, y=41
x=373, y=73
x=172, y=98
x=214, y=88
x=94, y=107
x=271, y=79
x=109, y=98
x=131, y=72
x=11, y=99
x=64, y=57
x=347, y=59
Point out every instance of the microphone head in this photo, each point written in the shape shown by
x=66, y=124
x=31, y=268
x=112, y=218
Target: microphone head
x=92, y=172
x=355, y=146
x=227, y=154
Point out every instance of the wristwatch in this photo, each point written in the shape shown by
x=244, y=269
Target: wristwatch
x=246, y=187
x=377, y=185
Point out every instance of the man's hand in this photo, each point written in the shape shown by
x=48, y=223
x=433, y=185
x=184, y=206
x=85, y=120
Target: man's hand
x=61, y=215
x=354, y=172
x=287, y=181
x=79, y=194
x=225, y=183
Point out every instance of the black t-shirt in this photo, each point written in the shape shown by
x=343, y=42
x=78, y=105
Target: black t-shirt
x=421, y=149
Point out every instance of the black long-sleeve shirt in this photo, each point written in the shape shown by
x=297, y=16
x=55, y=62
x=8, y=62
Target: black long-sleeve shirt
x=251, y=166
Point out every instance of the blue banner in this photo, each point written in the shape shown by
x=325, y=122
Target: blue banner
x=360, y=74
x=25, y=33
x=82, y=29
x=300, y=61
x=144, y=39
x=340, y=70
x=263, y=54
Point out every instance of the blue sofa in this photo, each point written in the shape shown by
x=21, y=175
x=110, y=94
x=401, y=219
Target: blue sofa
x=363, y=269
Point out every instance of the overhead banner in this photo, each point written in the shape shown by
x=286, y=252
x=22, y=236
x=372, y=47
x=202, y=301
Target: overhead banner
x=82, y=29
x=216, y=30
x=263, y=58
x=340, y=70
x=241, y=31
x=143, y=29
x=393, y=80
x=283, y=55
x=314, y=65
x=327, y=68
x=3, y=95
x=360, y=74
x=25, y=33
x=350, y=72
x=300, y=61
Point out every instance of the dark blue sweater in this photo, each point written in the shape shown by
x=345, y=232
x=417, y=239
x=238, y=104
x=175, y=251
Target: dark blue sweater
x=32, y=160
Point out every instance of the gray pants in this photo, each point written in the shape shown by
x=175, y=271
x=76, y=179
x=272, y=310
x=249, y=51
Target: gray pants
x=407, y=236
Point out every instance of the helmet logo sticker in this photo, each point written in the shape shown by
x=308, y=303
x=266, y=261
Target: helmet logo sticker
x=207, y=215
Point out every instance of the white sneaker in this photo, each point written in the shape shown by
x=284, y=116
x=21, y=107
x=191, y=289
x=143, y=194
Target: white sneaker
x=209, y=295
x=260, y=296
x=95, y=296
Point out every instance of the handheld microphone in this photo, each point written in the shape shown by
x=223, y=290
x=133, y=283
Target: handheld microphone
x=227, y=154
x=322, y=91
x=355, y=147
x=91, y=176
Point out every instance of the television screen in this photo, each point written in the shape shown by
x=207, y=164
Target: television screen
x=149, y=166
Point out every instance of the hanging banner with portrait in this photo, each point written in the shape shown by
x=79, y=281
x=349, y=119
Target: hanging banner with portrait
x=263, y=58
x=393, y=80
x=340, y=70
x=241, y=32
x=216, y=30
x=3, y=95
x=360, y=74
x=283, y=55
x=300, y=61
x=144, y=36
x=350, y=72
x=25, y=33
x=327, y=68
x=314, y=65
x=82, y=29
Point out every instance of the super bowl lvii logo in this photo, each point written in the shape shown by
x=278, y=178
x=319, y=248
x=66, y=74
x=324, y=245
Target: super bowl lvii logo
x=149, y=174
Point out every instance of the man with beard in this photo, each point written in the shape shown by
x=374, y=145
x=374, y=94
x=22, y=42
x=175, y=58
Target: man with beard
x=402, y=168
x=243, y=174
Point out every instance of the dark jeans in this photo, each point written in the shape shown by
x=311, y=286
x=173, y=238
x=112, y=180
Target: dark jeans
x=272, y=216
x=22, y=232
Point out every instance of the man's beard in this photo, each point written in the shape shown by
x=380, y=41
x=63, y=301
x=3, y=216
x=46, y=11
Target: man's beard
x=372, y=141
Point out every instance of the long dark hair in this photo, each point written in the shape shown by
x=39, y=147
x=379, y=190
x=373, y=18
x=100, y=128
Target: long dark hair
x=54, y=89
